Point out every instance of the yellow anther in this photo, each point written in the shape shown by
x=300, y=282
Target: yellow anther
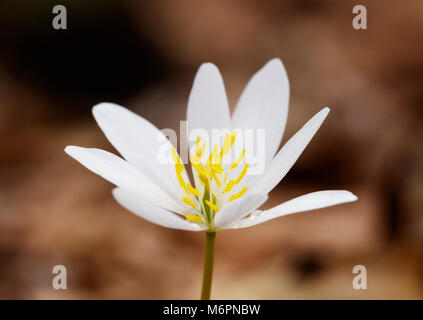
x=182, y=182
x=195, y=160
x=208, y=170
x=238, y=195
x=188, y=201
x=236, y=163
x=202, y=174
x=193, y=218
x=233, y=136
x=197, y=147
x=175, y=156
x=216, y=178
x=217, y=168
x=214, y=157
x=212, y=206
x=229, y=186
x=194, y=191
x=199, y=167
x=203, y=148
x=242, y=174
x=179, y=168
x=199, y=152
x=227, y=144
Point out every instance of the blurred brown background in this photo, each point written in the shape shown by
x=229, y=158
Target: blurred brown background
x=144, y=55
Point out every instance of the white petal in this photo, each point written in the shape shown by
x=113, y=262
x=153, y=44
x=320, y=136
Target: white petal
x=310, y=201
x=239, y=208
x=139, y=142
x=208, y=107
x=290, y=152
x=264, y=105
x=136, y=204
x=123, y=174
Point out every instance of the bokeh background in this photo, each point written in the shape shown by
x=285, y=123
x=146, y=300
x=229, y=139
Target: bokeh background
x=144, y=55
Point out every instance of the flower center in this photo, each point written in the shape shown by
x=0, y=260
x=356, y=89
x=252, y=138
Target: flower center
x=215, y=185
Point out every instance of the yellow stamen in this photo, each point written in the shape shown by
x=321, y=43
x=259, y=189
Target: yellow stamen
x=194, y=191
x=212, y=206
x=208, y=170
x=214, y=157
x=194, y=159
x=198, y=166
x=193, y=218
x=215, y=163
x=227, y=144
x=179, y=168
x=229, y=186
x=197, y=144
x=202, y=173
x=215, y=178
x=242, y=174
x=236, y=163
x=233, y=136
x=175, y=156
x=188, y=201
x=217, y=168
x=238, y=195
x=198, y=153
x=201, y=152
x=182, y=183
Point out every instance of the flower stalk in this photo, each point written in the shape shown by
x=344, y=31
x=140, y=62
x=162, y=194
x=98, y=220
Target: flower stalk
x=208, y=265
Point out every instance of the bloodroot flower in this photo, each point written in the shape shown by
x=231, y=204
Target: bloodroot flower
x=224, y=195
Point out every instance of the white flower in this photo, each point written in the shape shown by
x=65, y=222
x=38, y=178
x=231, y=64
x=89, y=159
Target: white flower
x=223, y=196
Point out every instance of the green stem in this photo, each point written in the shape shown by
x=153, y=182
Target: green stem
x=208, y=265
